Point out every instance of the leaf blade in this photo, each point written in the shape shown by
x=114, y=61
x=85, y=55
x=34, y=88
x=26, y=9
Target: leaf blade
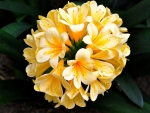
x=129, y=87
x=11, y=47
x=139, y=41
x=117, y=102
x=141, y=10
x=19, y=7
x=16, y=28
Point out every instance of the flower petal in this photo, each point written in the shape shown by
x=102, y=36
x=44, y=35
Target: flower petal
x=64, y=37
x=67, y=102
x=79, y=101
x=42, y=78
x=77, y=27
x=107, y=41
x=93, y=92
x=92, y=31
x=54, y=61
x=87, y=40
x=43, y=55
x=68, y=73
x=52, y=35
x=110, y=19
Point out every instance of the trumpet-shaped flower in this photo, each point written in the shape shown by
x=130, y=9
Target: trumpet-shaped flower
x=80, y=69
x=52, y=82
x=34, y=68
x=102, y=40
x=70, y=103
x=52, y=47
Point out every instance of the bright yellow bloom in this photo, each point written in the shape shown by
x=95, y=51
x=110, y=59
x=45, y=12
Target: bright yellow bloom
x=76, y=53
x=102, y=40
x=52, y=47
x=52, y=82
x=76, y=20
x=34, y=68
x=70, y=103
x=80, y=69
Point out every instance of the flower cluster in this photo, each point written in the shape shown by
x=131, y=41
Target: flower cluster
x=76, y=53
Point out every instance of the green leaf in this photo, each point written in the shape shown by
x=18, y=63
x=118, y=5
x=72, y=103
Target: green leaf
x=11, y=46
x=129, y=87
x=136, y=14
x=139, y=41
x=20, y=18
x=19, y=7
x=116, y=102
x=12, y=90
x=16, y=28
x=139, y=65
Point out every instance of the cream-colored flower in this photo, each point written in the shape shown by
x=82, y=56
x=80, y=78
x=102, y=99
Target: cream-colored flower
x=52, y=82
x=75, y=18
x=80, y=69
x=70, y=103
x=102, y=40
x=52, y=47
x=52, y=20
x=34, y=68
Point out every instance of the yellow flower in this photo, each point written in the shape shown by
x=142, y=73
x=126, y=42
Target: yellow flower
x=97, y=12
x=102, y=40
x=52, y=20
x=73, y=91
x=34, y=68
x=96, y=88
x=70, y=103
x=80, y=69
x=76, y=53
x=52, y=82
x=76, y=20
x=52, y=47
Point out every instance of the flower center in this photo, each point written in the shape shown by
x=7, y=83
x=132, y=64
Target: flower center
x=74, y=48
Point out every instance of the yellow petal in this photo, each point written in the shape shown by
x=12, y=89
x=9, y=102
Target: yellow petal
x=41, y=67
x=54, y=61
x=79, y=101
x=105, y=68
x=42, y=55
x=107, y=41
x=93, y=92
x=92, y=30
x=77, y=27
x=44, y=42
x=68, y=73
x=87, y=40
x=42, y=78
x=30, y=70
x=72, y=92
x=64, y=37
x=104, y=55
x=52, y=35
x=110, y=19
x=67, y=102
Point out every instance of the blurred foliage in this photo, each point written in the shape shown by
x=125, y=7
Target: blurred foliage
x=17, y=17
